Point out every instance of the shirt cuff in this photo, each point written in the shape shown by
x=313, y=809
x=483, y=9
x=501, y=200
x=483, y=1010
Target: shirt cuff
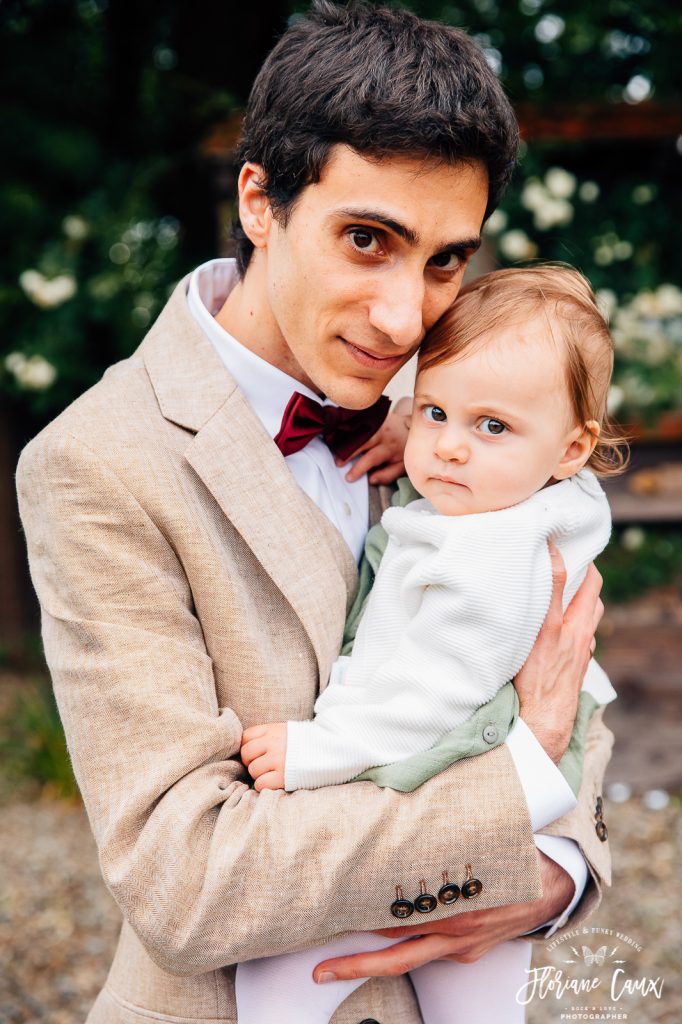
x=548, y=794
x=567, y=854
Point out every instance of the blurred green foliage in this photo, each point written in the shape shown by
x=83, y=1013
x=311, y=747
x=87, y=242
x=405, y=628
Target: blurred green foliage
x=104, y=197
x=33, y=751
x=639, y=559
x=107, y=198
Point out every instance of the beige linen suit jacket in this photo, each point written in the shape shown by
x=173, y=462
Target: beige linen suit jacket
x=189, y=588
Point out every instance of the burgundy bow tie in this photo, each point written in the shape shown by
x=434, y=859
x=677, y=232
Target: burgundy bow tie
x=342, y=430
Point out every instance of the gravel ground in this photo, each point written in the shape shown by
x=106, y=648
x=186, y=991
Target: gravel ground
x=58, y=924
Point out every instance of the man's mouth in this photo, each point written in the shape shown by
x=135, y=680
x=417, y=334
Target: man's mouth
x=372, y=359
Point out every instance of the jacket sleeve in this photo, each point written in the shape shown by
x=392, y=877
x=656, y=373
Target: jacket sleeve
x=207, y=871
x=581, y=824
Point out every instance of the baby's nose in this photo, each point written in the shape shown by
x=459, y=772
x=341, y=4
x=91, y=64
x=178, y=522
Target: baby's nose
x=452, y=447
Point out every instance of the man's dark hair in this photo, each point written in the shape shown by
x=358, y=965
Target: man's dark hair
x=381, y=81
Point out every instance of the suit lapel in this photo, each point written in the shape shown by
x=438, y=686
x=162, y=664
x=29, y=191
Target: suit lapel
x=245, y=472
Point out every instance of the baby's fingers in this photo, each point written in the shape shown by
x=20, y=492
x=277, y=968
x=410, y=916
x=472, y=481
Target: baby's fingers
x=270, y=780
x=253, y=733
x=267, y=762
x=252, y=749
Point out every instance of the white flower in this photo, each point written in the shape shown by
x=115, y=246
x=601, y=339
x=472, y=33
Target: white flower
x=607, y=302
x=167, y=233
x=615, y=399
x=561, y=183
x=645, y=304
x=643, y=194
x=589, y=191
x=549, y=28
x=551, y=213
x=669, y=300
x=119, y=253
x=657, y=349
x=47, y=293
x=603, y=255
x=516, y=245
x=637, y=392
x=75, y=228
x=623, y=250
x=632, y=538
x=14, y=362
x=142, y=231
x=496, y=222
x=533, y=194
x=34, y=373
x=638, y=89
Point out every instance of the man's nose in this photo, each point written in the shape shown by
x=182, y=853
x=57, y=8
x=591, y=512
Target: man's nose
x=397, y=309
x=452, y=445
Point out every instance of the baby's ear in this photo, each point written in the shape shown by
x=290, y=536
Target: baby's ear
x=580, y=447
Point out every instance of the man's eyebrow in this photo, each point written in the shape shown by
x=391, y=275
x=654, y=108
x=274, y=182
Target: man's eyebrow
x=408, y=234
x=402, y=230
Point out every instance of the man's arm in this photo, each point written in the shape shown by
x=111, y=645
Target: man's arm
x=207, y=871
x=550, y=680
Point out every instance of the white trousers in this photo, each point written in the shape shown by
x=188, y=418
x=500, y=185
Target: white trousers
x=281, y=988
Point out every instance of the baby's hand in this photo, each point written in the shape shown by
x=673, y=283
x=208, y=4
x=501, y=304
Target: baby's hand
x=263, y=751
x=384, y=451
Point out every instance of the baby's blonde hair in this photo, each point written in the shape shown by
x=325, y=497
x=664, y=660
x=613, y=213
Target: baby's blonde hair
x=564, y=296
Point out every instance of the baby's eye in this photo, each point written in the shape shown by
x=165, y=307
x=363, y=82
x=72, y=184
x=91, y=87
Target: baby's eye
x=434, y=413
x=492, y=426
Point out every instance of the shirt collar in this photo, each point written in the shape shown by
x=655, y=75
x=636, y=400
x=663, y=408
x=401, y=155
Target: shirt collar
x=266, y=388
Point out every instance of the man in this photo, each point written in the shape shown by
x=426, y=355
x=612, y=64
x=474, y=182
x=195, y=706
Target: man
x=194, y=581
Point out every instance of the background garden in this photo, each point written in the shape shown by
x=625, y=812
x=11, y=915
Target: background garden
x=118, y=123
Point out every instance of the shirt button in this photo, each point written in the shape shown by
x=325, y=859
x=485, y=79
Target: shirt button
x=490, y=734
x=347, y=509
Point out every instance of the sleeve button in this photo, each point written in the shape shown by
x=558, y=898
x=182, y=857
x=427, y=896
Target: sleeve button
x=425, y=903
x=401, y=908
x=490, y=734
x=448, y=894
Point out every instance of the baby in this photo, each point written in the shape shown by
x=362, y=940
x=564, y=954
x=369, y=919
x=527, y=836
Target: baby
x=508, y=430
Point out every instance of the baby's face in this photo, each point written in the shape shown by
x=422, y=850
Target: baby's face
x=494, y=426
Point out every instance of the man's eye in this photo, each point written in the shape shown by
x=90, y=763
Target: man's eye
x=365, y=240
x=492, y=426
x=434, y=413
x=446, y=261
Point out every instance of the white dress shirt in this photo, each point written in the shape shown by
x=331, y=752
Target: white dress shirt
x=268, y=390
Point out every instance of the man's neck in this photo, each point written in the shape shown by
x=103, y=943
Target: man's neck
x=246, y=315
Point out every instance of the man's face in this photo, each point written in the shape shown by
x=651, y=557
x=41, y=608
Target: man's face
x=371, y=256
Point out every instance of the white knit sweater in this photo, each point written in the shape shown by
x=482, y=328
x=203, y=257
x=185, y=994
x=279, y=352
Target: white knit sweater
x=456, y=607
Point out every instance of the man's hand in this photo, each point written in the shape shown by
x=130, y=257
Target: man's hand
x=549, y=683
x=464, y=937
x=263, y=751
x=384, y=451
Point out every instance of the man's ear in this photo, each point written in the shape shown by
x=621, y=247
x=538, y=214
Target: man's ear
x=255, y=213
x=580, y=447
